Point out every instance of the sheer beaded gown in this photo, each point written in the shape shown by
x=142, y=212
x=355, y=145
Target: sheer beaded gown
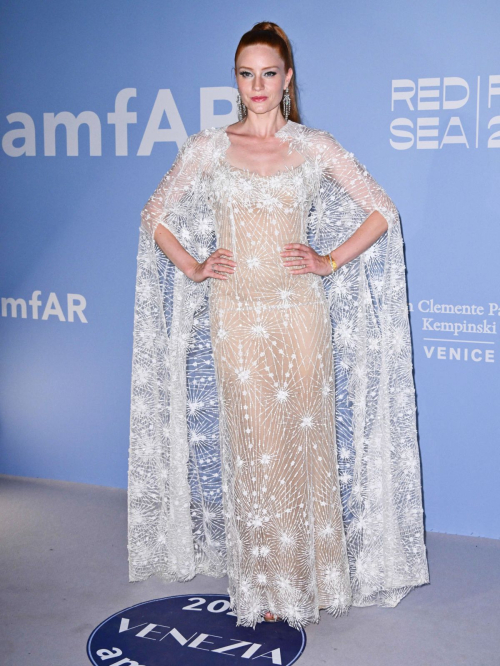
x=251, y=453
x=271, y=338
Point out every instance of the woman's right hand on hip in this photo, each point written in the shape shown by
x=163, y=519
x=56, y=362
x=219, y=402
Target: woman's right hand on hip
x=217, y=265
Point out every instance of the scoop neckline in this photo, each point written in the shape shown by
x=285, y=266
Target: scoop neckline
x=256, y=174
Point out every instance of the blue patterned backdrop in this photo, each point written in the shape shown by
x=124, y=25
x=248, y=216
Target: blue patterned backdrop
x=98, y=97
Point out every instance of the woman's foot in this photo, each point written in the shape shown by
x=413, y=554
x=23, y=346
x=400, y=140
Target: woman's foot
x=269, y=617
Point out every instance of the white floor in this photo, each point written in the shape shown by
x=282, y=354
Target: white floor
x=63, y=564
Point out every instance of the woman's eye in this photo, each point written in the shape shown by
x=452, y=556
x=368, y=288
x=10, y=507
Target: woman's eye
x=244, y=74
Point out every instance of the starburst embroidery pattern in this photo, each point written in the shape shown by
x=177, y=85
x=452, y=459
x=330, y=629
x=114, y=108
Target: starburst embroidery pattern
x=273, y=432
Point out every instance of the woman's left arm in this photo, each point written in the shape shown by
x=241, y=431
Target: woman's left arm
x=344, y=169
x=363, y=238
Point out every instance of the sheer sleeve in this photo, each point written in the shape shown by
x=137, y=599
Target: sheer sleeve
x=168, y=193
x=349, y=182
x=179, y=202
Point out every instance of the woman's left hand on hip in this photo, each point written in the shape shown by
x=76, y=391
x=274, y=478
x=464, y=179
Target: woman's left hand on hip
x=299, y=258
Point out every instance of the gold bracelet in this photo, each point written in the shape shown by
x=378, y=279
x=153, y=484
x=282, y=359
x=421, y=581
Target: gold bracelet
x=333, y=263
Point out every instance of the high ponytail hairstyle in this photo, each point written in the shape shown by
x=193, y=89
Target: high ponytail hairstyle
x=272, y=35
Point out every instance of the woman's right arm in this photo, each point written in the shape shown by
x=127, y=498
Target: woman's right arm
x=166, y=213
x=218, y=262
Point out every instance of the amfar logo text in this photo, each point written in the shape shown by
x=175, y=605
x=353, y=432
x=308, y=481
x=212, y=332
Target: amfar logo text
x=432, y=131
x=17, y=307
x=121, y=118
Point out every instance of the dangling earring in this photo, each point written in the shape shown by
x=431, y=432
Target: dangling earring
x=242, y=109
x=286, y=104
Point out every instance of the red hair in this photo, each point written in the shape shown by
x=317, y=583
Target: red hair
x=272, y=35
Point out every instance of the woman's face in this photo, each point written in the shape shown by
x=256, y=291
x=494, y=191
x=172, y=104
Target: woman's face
x=261, y=77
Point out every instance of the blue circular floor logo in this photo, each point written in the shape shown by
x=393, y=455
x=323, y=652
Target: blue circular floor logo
x=190, y=630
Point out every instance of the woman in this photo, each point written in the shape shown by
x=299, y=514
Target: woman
x=273, y=429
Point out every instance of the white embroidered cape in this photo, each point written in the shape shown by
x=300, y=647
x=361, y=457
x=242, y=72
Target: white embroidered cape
x=176, y=520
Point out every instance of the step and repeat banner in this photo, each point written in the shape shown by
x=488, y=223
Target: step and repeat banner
x=97, y=98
